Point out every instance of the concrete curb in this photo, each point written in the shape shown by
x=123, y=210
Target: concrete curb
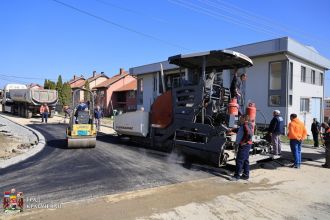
x=19, y=158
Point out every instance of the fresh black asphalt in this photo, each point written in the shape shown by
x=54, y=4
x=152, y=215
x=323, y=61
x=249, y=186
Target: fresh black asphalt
x=62, y=175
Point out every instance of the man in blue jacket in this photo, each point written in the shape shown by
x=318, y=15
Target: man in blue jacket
x=276, y=128
x=98, y=114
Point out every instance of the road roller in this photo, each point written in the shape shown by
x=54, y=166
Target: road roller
x=81, y=132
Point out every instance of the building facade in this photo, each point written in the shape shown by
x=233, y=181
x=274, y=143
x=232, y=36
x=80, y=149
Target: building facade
x=327, y=109
x=286, y=75
x=117, y=92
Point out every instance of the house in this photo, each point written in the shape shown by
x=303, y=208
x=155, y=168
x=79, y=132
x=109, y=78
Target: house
x=96, y=79
x=35, y=86
x=286, y=75
x=79, y=82
x=117, y=92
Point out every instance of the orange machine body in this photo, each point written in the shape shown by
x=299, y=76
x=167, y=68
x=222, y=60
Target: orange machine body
x=162, y=111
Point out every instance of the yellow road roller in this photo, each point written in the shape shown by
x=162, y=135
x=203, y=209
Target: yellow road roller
x=81, y=132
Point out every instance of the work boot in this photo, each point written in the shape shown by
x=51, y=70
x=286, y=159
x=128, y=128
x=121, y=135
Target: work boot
x=325, y=166
x=234, y=178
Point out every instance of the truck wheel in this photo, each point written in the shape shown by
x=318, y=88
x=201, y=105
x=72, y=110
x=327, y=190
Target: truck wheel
x=19, y=110
x=29, y=114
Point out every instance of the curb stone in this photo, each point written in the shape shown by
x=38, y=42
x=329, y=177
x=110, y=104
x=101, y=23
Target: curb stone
x=36, y=149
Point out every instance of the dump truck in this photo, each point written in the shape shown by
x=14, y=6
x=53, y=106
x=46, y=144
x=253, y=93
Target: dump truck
x=195, y=117
x=26, y=102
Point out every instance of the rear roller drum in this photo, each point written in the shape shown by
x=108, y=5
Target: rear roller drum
x=81, y=143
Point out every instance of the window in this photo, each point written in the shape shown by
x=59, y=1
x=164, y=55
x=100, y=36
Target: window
x=155, y=83
x=274, y=100
x=291, y=76
x=321, y=79
x=275, y=76
x=313, y=76
x=290, y=100
x=131, y=94
x=140, y=91
x=304, y=104
x=303, y=74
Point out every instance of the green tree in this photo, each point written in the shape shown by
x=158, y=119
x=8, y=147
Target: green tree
x=87, y=96
x=48, y=84
x=59, y=88
x=66, y=94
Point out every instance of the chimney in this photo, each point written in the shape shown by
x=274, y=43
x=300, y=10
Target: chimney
x=74, y=76
x=102, y=73
x=94, y=73
x=122, y=71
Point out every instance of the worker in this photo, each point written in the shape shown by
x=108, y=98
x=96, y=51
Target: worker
x=275, y=129
x=326, y=138
x=98, y=114
x=238, y=88
x=44, y=111
x=244, y=142
x=315, y=129
x=297, y=133
x=82, y=106
x=67, y=112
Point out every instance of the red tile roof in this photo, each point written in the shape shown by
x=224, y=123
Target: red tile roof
x=111, y=81
x=97, y=76
x=78, y=85
x=75, y=79
x=128, y=87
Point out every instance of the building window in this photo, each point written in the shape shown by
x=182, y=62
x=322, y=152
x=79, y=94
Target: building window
x=303, y=74
x=131, y=94
x=274, y=100
x=155, y=83
x=275, y=76
x=304, y=104
x=140, y=91
x=290, y=100
x=321, y=79
x=313, y=76
x=291, y=76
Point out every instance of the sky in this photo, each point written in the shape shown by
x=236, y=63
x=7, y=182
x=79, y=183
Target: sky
x=44, y=38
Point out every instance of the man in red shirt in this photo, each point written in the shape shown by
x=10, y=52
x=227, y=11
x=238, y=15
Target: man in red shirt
x=44, y=111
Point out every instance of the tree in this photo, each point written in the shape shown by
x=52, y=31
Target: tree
x=66, y=94
x=87, y=96
x=59, y=88
x=48, y=84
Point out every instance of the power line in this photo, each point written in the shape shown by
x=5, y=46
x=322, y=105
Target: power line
x=271, y=23
x=22, y=77
x=214, y=14
x=131, y=11
x=119, y=25
x=248, y=20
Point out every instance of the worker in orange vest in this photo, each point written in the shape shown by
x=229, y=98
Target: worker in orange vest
x=297, y=133
x=326, y=138
x=44, y=111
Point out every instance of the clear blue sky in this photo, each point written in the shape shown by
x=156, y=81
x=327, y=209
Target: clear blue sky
x=41, y=38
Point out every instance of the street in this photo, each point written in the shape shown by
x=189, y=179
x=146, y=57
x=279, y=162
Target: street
x=118, y=180
x=60, y=174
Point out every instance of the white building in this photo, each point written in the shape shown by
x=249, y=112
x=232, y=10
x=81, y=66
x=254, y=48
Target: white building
x=286, y=75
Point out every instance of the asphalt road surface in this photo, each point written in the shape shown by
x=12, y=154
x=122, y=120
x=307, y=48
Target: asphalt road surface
x=62, y=175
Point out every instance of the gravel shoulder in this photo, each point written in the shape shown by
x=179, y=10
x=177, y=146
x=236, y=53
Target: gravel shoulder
x=14, y=139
